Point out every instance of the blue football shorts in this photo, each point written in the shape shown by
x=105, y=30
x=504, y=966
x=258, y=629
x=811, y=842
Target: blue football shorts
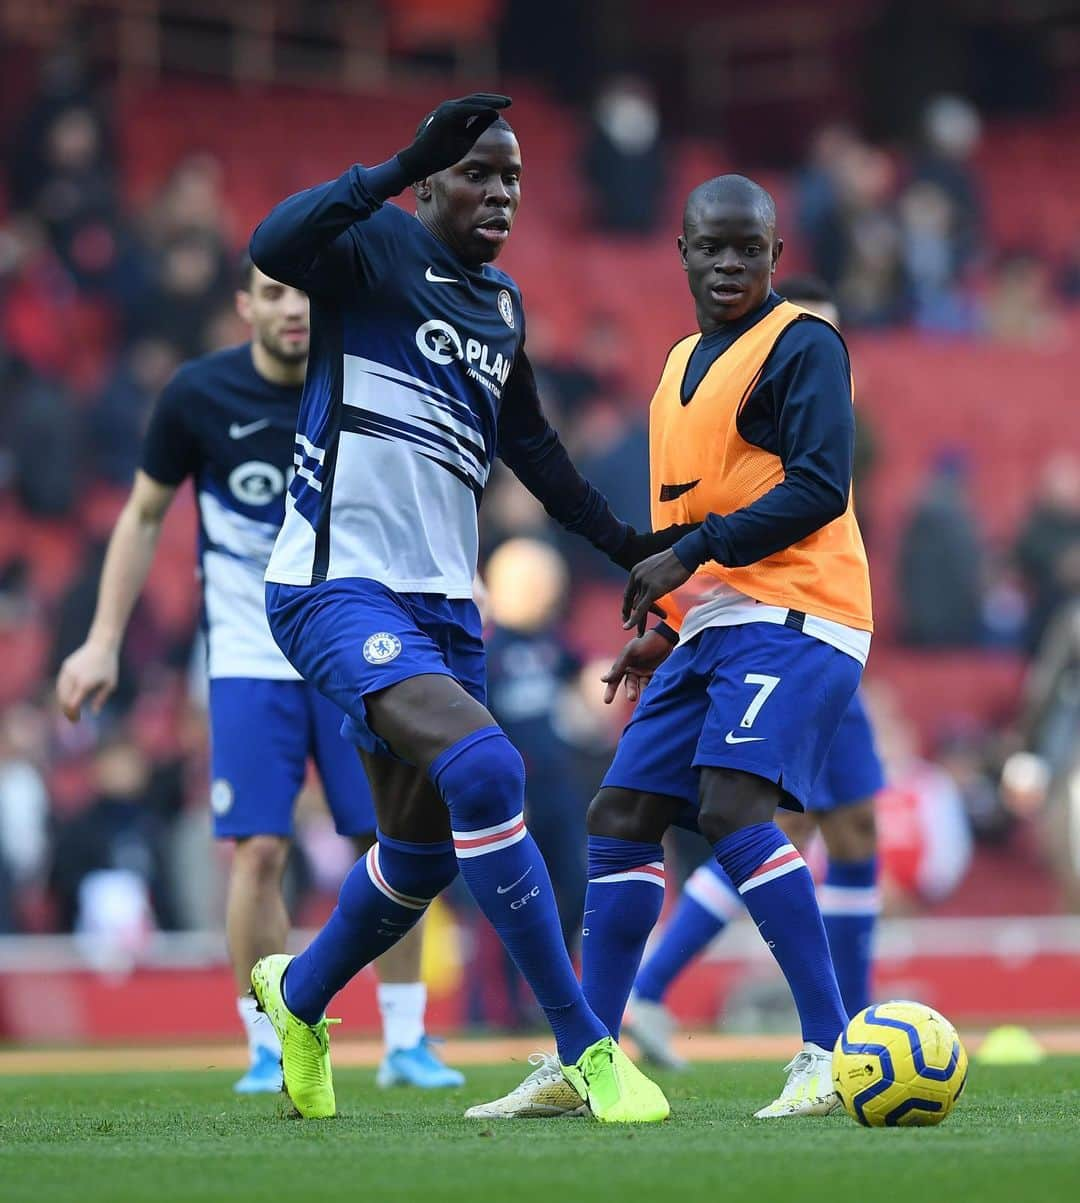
x=761, y=698
x=852, y=770
x=262, y=733
x=352, y=636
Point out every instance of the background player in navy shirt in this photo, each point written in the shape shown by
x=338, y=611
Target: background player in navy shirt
x=227, y=421
x=417, y=379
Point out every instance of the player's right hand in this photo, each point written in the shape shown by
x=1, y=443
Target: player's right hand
x=635, y=665
x=451, y=133
x=89, y=673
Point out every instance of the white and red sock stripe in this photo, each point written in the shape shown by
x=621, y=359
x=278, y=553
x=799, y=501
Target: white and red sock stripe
x=712, y=895
x=654, y=872
x=378, y=880
x=489, y=839
x=785, y=859
x=848, y=900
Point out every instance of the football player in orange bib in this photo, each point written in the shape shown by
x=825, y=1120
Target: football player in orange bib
x=766, y=626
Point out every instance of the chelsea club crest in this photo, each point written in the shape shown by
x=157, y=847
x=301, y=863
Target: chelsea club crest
x=506, y=308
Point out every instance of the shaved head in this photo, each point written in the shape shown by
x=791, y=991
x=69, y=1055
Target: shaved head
x=730, y=189
x=729, y=248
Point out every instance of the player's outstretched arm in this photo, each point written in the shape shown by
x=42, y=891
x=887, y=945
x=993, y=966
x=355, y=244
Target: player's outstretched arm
x=531, y=448
x=89, y=673
x=300, y=241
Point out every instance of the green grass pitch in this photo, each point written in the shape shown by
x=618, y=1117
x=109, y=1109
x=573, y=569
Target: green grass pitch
x=184, y=1136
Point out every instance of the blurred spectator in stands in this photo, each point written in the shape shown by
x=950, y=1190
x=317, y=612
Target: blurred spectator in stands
x=116, y=419
x=940, y=562
x=24, y=808
x=611, y=445
x=1021, y=307
x=509, y=509
x=109, y=859
x=37, y=299
x=1005, y=607
x=192, y=200
x=924, y=841
x=65, y=83
x=225, y=328
x=820, y=200
x=873, y=288
x=1041, y=777
x=565, y=383
x=1048, y=547
x=530, y=670
x=191, y=280
x=965, y=751
x=932, y=260
x=951, y=133
x=73, y=192
x=603, y=354
x=624, y=160
x=1050, y=720
x=43, y=438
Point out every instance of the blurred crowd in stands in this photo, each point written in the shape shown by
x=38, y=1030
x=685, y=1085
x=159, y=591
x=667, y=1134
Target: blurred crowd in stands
x=98, y=305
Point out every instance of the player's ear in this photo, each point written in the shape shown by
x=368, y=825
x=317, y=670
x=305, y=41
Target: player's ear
x=778, y=247
x=422, y=188
x=243, y=304
x=681, y=241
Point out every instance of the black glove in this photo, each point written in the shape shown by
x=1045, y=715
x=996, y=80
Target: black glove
x=450, y=133
x=637, y=547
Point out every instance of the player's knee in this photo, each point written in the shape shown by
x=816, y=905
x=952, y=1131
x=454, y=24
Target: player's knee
x=623, y=814
x=261, y=859
x=731, y=800
x=481, y=780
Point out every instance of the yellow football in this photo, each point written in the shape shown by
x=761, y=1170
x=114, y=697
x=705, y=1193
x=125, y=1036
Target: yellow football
x=899, y=1063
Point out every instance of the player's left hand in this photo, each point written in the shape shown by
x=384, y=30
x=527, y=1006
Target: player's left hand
x=635, y=665
x=451, y=133
x=649, y=581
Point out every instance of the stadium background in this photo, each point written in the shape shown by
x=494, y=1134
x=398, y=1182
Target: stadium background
x=926, y=162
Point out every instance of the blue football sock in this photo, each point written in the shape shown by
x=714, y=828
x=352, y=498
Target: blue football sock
x=706, y=905
x=622, y=905
x=850, y=904
x=777, y=890
x=383, y=897
x=482, y=779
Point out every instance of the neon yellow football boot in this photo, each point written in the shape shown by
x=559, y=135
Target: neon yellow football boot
x=305, y=1049
x=616, y=1091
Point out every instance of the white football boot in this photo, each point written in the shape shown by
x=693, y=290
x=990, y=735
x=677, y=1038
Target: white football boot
x=545, y=1094
x=809, y=1088
x=652, y=1026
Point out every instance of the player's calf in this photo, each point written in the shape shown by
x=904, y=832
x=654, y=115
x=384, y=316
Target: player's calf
x=383, y=897
x=482, y=780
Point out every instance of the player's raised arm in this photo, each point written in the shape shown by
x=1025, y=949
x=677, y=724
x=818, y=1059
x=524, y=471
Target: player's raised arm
x=300, y=241
x=531, y=448
x=90, y=672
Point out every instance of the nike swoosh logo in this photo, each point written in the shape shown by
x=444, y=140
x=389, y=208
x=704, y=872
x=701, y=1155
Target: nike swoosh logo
x=236, y=431
x=732, y=738
x=432, y=278
x=670, y=492
x=507, y=889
